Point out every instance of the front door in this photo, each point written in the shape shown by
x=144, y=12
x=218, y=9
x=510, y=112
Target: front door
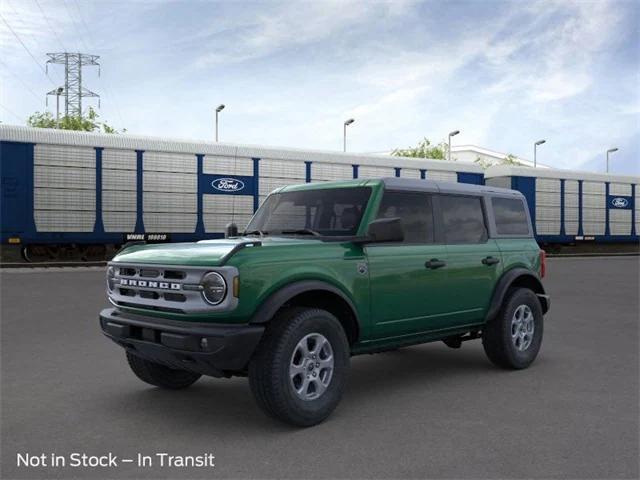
x=407, y=280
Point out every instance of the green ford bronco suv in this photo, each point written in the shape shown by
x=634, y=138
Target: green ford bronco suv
x=326, y=271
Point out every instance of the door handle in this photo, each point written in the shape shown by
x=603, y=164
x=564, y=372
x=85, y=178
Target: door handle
x=490, y=260
x=435, y=263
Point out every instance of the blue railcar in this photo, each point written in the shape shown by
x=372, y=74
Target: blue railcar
x=570, y=206
x=64, y=189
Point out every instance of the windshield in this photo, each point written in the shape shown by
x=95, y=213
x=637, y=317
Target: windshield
x=325, y=212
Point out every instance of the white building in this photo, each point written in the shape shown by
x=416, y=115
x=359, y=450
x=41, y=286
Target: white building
x=470, y=153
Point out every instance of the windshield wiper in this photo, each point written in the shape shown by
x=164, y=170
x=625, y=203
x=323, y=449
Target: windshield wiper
x=254, y=232
x=303, y=231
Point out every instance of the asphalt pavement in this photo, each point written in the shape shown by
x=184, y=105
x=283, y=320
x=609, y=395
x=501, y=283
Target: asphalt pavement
x=419, y=412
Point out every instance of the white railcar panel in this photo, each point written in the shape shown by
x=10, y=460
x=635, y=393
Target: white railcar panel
x=119, y=180
x=170, y=222
x=594, y=201
x=410, y=173
x=548, y=199
x=597, y=188
x=571, y=186
x=170, y=182
x=571, y=200
x=216, y=223
x=119, y=221
x=64, y=156
x=594, y=214
x=64, y=177
x=170, y=202
x=214, y=164
x=593, y=228
x=571, y=228
x=64, y=199
x=619, y=222
x=64, y=220
x=119, y=159
x=547, y=227
x=442, y=175
x=169, y=162
x=237, y=204
x=620, y=189
x=331, y=171
x=547, y=213
x=368, y=171
x=119, y=201
x=282, y=169
x=547, y=185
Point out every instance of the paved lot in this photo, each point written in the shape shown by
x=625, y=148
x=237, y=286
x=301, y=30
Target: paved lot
x=419, y=412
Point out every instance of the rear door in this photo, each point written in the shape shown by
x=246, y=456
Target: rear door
x=473, y=260
x=407, y=296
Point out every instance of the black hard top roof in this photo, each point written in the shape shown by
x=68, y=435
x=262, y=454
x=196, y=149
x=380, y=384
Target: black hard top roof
x=426, y=185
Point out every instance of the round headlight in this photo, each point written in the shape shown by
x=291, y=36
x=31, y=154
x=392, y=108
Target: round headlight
x=111, y=274
x=214, y=288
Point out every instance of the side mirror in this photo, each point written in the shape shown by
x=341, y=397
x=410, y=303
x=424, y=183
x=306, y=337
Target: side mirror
x=385, y=230
x=231, y=230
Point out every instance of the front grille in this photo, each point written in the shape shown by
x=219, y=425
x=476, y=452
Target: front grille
x=173, y=289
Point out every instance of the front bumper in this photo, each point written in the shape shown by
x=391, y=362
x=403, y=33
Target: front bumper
x=210, y=349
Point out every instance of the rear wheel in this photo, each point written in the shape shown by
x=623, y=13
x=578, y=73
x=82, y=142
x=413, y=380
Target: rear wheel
x=160, y=375
x=512, y=339
x=299, y=370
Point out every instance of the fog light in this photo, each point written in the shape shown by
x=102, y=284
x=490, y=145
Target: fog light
x=204, y=344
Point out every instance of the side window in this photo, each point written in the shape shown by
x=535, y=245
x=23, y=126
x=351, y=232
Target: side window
x=510, y=216
x=415, y=211
x=463, y=219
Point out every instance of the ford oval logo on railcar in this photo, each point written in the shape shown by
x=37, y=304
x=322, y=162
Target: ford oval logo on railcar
x=620, y=202
x=228, y=185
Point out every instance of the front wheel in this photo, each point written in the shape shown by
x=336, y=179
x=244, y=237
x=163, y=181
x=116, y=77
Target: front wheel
x=299, y=370
x=512, y=339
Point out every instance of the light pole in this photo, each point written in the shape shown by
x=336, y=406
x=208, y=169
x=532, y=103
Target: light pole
x=344, y=134
x=451, y=134
x=611, y=150
x=535, y=152
x=218, y=110
x=59, y=91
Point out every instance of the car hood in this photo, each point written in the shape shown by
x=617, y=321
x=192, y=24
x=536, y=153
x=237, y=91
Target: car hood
x=203, y=253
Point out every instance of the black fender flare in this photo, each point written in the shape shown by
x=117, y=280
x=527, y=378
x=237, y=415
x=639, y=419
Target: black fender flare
x=276, y=300
x=531, y=279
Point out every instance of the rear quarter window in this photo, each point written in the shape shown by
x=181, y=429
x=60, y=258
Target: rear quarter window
x=510, y=216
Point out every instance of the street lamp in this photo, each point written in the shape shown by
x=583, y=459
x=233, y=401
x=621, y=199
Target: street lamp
x=611, y=150
x=535, y=151
x=451, y=134
x=218, y=110
x=344, y=135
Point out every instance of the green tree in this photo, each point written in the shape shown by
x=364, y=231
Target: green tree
x=424, y=149
x=510, y=159
x=88, y=123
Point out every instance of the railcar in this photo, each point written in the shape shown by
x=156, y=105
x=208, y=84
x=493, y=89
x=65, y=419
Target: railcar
x=569, y=207
x=76, y=194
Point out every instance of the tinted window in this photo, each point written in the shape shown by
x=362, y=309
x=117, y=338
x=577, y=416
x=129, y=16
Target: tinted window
x=415, y=211
x=510, y=216
x=329, y=211
x=463, y=219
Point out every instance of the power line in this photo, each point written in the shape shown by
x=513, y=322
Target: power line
x=12, y=113
x=106, y=83
x=73, y=22
x=50, y=27
x=27, y=49
x=21, y=81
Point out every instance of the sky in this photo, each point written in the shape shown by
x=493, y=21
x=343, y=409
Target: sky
x=503, y=73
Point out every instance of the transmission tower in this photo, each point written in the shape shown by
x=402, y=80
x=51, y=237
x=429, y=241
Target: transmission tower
x=73, y=91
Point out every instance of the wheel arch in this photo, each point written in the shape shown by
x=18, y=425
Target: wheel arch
x=517, y=277
x=313, y=294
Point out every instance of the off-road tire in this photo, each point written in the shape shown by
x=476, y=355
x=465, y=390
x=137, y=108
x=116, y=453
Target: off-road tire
x=160, y=375
x=269, y=367
x=496, y=336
